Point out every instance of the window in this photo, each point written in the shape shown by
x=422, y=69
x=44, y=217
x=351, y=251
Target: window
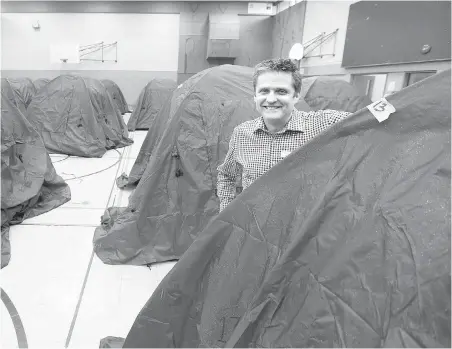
x=371, y=85
x=412, y=78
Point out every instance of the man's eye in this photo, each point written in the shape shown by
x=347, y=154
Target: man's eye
x=282, y=92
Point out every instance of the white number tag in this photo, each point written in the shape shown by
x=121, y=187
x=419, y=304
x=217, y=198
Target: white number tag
x=381, y=109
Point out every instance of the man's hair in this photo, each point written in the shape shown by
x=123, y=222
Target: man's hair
x=279, y=65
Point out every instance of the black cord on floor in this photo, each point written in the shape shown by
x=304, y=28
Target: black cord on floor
x=100, y=171
x=67, y=157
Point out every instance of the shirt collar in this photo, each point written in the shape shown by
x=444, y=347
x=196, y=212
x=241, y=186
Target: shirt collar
x=295, y=123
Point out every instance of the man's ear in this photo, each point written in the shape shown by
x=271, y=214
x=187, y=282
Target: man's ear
x=297, y=96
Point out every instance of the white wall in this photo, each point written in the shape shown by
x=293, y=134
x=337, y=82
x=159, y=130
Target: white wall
x=284, y=5
x=146, y=42
x=326, y=16
x=379, y=86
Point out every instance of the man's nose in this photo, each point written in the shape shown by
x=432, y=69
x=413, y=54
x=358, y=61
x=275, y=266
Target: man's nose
x=271, y=97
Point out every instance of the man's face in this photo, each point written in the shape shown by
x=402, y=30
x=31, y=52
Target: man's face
x=275, y=96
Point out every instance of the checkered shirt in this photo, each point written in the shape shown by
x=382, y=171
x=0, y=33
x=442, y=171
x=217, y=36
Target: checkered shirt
x=253, y=150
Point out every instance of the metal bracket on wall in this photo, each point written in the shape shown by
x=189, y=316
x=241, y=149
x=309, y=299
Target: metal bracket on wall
x=318, y=41
x=100, y=46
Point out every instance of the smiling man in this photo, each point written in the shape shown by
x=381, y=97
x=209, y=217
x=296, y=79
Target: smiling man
x=259, y=144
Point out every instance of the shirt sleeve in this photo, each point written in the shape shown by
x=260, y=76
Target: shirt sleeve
x=333, y=116
x=227, y=174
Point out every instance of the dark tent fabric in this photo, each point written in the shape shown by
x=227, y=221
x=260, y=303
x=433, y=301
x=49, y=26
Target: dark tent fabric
x=176, y=196
x=326, y=92
x=11, y=95
x=114, y=126
x=30, y=185
x=76, y=116
x=151, y=100
x=151, y=141
x=111, y=342
x=40, y=83
x=24, y=89
x=116, y=95
x=303, y=106
x=344, y=243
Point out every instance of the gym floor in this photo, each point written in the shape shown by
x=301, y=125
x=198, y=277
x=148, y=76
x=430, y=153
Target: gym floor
x=56, y=291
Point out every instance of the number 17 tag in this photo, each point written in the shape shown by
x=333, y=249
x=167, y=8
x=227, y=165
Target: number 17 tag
x=381, y=109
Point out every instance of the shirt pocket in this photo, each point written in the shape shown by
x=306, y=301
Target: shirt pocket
x=288, y=144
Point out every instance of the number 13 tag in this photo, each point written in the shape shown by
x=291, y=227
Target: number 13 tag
x=381, y=109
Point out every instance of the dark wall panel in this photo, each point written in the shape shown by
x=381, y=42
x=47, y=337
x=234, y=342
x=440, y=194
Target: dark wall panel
x=255, y=40
x=288, y=29
x=391, y=32
x=255, y=36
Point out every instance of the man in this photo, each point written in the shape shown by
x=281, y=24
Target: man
x=259, y=144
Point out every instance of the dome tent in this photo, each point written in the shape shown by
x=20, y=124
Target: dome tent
x=25, y=90
x=114, y=126
x=11, y=95
x=30, y=185
x=158, y=126
x=40, y=83
x=116, y=95
x=75, y=116
x=344, y=243
x=151, y=100
x=326, y=92
x=176, y=196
